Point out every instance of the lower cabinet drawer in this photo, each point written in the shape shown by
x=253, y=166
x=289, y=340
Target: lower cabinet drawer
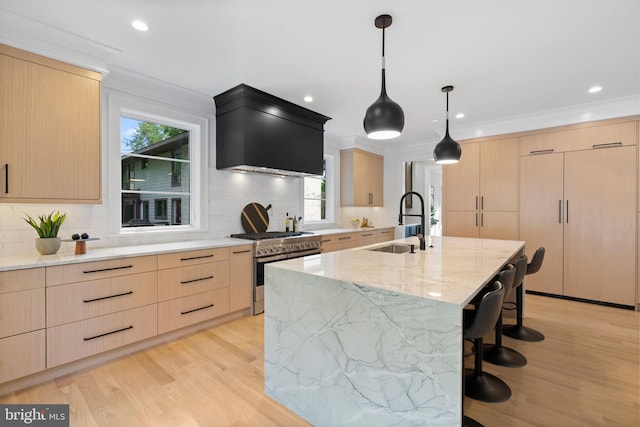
x=22, y=312
x=21, y=355
x=181, y=312
x=74, y=341
x=191, y=280
x=84, y=300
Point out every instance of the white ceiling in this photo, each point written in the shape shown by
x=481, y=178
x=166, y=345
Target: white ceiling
x=506, y=58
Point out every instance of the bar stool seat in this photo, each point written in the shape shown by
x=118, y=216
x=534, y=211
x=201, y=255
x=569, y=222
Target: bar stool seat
x=481, y=385
x=519, y=331
x=497, y=353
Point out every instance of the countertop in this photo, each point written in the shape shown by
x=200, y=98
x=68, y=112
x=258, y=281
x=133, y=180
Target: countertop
x=100, y=254
x=452, y=271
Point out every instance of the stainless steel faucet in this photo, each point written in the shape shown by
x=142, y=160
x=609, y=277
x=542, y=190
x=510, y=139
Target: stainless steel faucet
x=422, y=217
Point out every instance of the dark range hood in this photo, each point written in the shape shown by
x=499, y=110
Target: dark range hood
x=259, y=132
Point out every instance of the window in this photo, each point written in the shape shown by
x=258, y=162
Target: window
x=157, y=171
x=315, y=197
x=155, y=161
x=160, y=211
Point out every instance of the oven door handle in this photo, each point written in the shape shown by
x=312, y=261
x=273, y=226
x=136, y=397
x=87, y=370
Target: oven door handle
x=271, y=258
x=305, y=253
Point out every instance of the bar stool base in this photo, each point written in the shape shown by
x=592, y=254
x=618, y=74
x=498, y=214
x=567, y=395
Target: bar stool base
x=470, y=422
x=503, y=356
x=522, y=333
x=485, y=387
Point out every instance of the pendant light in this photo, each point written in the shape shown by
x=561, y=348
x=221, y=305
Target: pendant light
x=448, y=150
x=384, y=119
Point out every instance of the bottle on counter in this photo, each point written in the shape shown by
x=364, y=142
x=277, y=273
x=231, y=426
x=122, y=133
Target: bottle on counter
x=286, y=222
x=295, y=224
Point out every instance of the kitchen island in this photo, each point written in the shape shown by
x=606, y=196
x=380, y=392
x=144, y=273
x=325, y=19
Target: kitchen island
x=368, y=338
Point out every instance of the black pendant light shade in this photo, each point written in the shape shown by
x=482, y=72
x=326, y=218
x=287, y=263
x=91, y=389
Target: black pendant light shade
x=384, y=119
x=448, y=150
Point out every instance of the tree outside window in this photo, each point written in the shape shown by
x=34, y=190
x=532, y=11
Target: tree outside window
x=155, y=167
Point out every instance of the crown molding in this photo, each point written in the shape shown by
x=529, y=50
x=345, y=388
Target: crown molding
x=33, y=36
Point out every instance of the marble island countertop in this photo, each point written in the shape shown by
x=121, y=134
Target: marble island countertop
x=365, y=338
x=451, y=271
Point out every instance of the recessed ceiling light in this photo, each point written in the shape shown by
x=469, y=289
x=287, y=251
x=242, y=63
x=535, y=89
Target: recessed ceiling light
x=594, y=89
x=435, y=120
x=459, y=115
x=140, y=25
x=308, y=98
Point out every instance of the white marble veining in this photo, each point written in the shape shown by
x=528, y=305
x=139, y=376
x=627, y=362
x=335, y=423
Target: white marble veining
x=100, y=254
x=362, y=338
x=452, y=271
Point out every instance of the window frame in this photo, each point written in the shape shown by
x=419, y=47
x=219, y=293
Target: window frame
x=120, y=105
x=329, y=188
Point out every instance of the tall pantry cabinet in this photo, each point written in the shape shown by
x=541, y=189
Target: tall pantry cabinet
x=481, y=191
x=578, y=199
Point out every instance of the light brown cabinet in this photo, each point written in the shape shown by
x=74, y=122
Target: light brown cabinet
x=60, y=314
x=585, y=137
x=93, y=307
x=240, y=277
x=361, y=178
x=348, y=240
x=581, y=206
x=22, y=323
x=481, y=191
x=193, y=286
x=49, y=130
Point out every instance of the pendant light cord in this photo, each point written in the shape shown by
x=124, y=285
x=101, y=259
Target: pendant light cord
x=447, y=130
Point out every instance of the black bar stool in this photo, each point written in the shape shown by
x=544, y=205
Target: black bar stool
x=519, y=331
x=481, y=385
x=498, y=354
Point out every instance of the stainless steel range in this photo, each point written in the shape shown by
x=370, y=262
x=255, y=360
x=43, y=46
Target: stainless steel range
x=275, y=246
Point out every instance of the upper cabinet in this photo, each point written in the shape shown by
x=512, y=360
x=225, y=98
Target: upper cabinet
x=584, y=138
x=481, y=191
x=49, y=130
x=361, y=178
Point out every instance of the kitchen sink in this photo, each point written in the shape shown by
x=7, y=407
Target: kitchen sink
x=392, y=249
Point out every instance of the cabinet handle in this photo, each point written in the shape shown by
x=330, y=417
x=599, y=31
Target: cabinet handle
x=110, y=296
x=370, y=198
x=107, y=269
x=6, y=178
x=385, y=232
x=476, y=204
x=196, y=257
x=325, y=241
x=108, y=333
x=559, y=211
x=367, y=235
x=184, y=282
x=481, y=220
x=482, y=202
x=567, y=211
x=197, y=309
x=476, y=219
x=344, y=238
x=550, y=150
x=241, y=252
x=607, y=145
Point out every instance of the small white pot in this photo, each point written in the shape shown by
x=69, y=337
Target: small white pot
x=48, y=245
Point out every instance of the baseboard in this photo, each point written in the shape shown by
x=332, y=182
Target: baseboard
x=589, y=301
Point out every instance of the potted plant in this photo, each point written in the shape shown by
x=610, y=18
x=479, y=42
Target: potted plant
x=47, y=228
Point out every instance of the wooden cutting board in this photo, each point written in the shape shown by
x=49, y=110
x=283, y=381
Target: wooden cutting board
x=255, y=218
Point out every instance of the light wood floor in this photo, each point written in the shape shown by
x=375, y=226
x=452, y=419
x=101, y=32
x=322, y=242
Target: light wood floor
x=586, y=373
